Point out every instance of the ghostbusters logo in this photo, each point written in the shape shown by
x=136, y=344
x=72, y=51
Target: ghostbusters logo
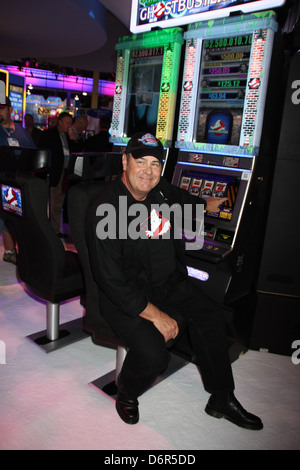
x=159, y=10
x=11, y=197
x=218, y=128
x=188, y=85
x=254, y=83
x=159, y=225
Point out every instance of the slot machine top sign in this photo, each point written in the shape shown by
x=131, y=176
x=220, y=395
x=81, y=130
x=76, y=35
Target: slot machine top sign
x=148, y=14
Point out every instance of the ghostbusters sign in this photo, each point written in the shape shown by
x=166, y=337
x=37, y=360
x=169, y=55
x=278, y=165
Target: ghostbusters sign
x=148, y=14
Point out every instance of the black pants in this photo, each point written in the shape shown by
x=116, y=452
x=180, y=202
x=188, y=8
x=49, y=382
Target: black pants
x=148, y=354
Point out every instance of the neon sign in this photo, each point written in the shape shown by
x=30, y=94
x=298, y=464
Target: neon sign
x=148, y=14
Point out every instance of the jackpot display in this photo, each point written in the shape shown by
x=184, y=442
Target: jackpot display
x=146, y=85
x=221, y=96
x=225, y=84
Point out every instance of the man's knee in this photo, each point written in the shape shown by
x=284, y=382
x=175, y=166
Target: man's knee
x=155, y=360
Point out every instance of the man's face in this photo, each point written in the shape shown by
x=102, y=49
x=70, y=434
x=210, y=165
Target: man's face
x=140, y=175
x=5, y=115
x=28, y=120
x=64, y=124
x=82, y=124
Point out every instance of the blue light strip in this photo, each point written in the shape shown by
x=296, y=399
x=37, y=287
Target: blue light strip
x=226, y=154
x=197, y=274
x=241, y=170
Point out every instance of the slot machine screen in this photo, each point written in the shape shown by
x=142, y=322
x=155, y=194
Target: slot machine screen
x=11, y=200
x=205, y=184
x=144, y=79
x=222, y=89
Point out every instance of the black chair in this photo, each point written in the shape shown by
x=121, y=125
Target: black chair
x=81, y=196
x=90, y=173
x=48, y=271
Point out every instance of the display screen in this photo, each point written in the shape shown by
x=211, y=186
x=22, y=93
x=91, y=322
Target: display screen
x=11, y=200
x=16, y=98
x=143, y=90
x=222, y=89
x=205, y=184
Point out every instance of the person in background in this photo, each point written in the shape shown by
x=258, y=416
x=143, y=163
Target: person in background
x=100, y=142
x=14, y=135
x=61, y=144
x=35, y=133
x=52, y=121
x=76, y=131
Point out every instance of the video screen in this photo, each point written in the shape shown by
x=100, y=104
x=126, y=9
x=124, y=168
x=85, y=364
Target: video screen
x=143, y=90
x=11, y=200
x=202, y=184
x=222, y=89
x=16, y=98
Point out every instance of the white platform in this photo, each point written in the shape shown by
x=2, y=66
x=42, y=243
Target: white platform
x=46, y=401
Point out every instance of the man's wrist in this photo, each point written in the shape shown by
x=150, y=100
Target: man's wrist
x=150, y=313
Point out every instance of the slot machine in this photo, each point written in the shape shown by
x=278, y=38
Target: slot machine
x=225, y=119
x=146, y=86
x=221, y=123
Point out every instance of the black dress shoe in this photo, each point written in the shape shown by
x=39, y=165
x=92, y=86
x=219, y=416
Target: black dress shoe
x=128, y=410
x=233, y=411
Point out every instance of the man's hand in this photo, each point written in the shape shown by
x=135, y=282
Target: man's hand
x=166, y=325
x=213, y=203
x=72, y=134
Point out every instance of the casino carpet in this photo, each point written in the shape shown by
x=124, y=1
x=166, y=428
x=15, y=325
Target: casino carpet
x=47, y=404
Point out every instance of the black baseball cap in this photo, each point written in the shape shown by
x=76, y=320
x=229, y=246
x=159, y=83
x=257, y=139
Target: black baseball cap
x=7, y=103
x=142, y=144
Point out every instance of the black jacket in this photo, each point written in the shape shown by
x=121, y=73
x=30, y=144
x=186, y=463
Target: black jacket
x=98, y=143
x=121, y=267
x=51, y=140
